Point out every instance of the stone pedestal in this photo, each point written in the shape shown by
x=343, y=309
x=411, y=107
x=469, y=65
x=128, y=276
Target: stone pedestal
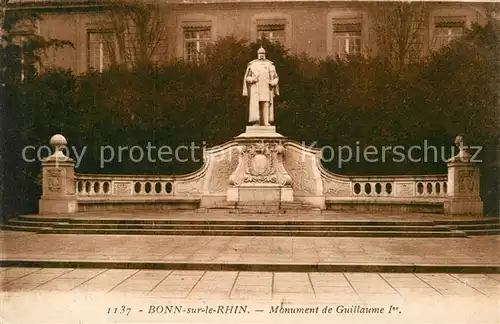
x=259, y=133
x=463, y=188
x=259, y=193
x=58, y=183
x=260, y=174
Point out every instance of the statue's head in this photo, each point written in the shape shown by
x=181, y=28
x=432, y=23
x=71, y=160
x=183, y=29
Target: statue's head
x=261, y=53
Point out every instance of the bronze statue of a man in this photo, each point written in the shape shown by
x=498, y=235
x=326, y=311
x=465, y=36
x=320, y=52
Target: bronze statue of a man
x=260, y=83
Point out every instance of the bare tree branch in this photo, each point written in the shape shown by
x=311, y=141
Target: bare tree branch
x=398, y=29
x=140, y=30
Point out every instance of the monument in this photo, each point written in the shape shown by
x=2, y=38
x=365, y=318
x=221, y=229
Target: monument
x=260, y=174
x=261, y=167
x=260, y=85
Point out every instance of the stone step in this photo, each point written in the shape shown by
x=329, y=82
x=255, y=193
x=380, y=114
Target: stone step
x=46, y=220
x=489, y=220
x=452, y=223
x=249, y=227
x=223, y=205
x=249, y=208
x=269, y=211
x=495, y=231
x=276, y=233
x=466, y=227
x=338, y=267
x=258, y=203
x=261, y=204
x=261, y=227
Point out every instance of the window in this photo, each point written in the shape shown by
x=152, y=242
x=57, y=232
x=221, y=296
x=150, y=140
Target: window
x=21, y=54
x=448, y=29
x=346, y=37
x=273, y=33
x=100, y=45
x=19, y=38
x=272, y=26
x=196, y=40
x=195, y=32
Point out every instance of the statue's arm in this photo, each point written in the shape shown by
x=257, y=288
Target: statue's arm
x=247, y=80
x=250, y=77
x=274, y=79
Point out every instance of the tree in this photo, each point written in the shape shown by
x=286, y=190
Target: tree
x=21, y=50
x=398, y=31
x=139, y=32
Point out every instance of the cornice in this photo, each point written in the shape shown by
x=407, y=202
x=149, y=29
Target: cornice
x=90, y=5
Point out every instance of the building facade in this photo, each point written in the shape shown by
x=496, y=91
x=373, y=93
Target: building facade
x=318, y=28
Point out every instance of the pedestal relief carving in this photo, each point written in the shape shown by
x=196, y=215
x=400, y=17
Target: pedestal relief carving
x=55, y=180
x=223, y=167
x=260, y=163
x=260, y=166
x=194, y=187
x=300, y=169
x=238, y=175
x=336, y=188
x=466, y=181
x=260, y=174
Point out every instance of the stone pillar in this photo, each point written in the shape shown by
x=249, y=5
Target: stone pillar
x=463, y=184
x=58, y=181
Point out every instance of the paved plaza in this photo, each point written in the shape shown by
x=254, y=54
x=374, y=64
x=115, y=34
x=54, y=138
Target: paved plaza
x=250, y=285
x=50, y=295
x=480, y=250
x=68, y=278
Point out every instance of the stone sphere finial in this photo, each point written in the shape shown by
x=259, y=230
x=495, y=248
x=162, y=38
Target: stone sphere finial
x=57, y=142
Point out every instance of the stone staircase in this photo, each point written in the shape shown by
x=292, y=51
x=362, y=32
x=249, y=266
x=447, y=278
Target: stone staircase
x=246, y=227
x=264, y=207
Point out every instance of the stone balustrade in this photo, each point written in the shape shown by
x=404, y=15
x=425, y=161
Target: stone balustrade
x=96, y=185
x=400, y=186
x=112, y=192
x=425, y=193
x=260, y=167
